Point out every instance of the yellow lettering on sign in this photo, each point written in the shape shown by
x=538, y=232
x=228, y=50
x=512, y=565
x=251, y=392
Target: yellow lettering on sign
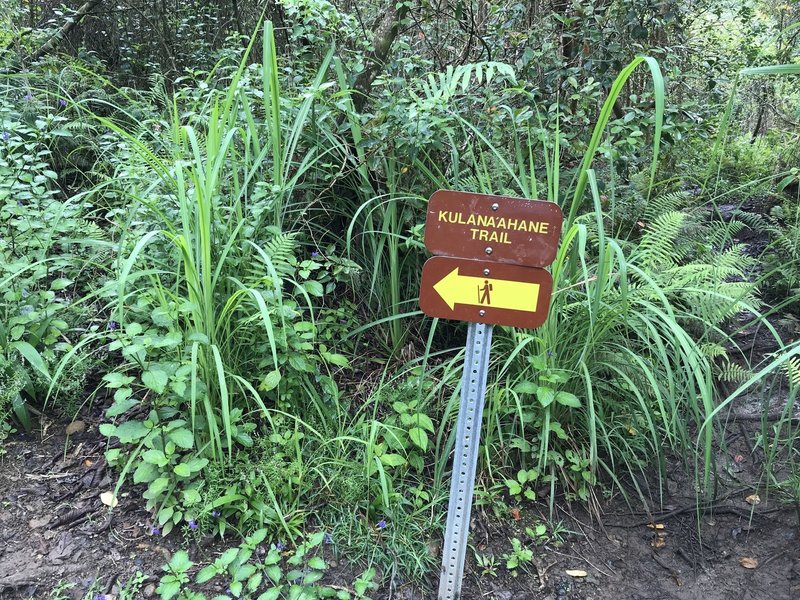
x=491, y=222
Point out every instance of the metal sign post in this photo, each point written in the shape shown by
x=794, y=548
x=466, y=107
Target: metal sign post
x=512, y=237
x=468, y=437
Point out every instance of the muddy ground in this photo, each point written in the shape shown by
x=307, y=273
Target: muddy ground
x=54, y=530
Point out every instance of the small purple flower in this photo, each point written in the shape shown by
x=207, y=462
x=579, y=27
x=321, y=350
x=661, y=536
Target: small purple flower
x=314, y=254
x=112, y=325
x=28, y=97
x=62, y=103
x=99, y=597
x=6, y=136
x=216, y=514
x=381, y=524
x=550, y=353
x=155, y=530
x=192, y=524
x=327, y=538
x=280, y=546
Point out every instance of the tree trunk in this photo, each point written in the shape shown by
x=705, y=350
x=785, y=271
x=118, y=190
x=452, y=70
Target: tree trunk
x=72, y=21
x=385, y=33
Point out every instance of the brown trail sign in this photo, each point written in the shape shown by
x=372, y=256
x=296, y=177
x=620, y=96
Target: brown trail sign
x=496, y=228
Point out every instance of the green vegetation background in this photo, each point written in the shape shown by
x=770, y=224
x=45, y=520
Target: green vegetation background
x=211, y=219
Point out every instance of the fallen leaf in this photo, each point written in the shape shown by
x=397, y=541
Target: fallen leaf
x=109, y=499
x=40, y=522
x=738, y=459
x=88, y=462
x=753, y=499
x=747, y=562
x=658, y=542
x=75, y=427
x=515, y=514
x=576, y=572
x=656, y=526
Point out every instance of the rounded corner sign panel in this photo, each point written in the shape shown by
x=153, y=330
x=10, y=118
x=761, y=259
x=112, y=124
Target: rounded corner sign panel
x=485, y=292
x=497, y=228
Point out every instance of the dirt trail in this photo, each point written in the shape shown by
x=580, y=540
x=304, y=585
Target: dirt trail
x=54, y=529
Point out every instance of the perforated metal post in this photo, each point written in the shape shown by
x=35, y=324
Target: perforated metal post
x=468, y=436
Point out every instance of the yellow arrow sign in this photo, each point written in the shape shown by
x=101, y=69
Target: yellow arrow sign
x=484, y=291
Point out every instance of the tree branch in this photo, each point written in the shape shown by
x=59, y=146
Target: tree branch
x=59, y=35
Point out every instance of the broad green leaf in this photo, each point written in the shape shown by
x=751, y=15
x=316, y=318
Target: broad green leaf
x=312, y=577
x=514, y=488
x=131, y=431
x=122, y=403
x=272, y=594
x=206, y=573
x=158, y=486
x=254, y=582
x=180, y=561
x=273, y=572
x=167, y=588
x=228, y=556
x=162, y=316
x=314, y=288
x=419, y=437
x=32, y=356
x=526, y=387
x=196, y=464
x=156, y=380
x=145, y=472
x=60, y=284
x=182, y=437
x=244, y=572
x=424, y=421
x=568, y=399
x=392, y=460
x=340, y=360
x=545, y=395
x=270, y=381
x=155, y=457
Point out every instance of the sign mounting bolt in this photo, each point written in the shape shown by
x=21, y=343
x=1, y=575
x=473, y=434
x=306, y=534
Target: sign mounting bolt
x=488, y=250
x=482, y=313
x=486, y=271
x=495, y=206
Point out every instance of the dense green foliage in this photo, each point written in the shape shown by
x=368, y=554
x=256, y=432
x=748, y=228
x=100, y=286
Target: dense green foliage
x=212, y=221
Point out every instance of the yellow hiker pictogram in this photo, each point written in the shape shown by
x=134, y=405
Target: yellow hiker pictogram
x=455, y=288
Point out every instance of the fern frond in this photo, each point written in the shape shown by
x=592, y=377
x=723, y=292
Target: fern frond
x=657, y=247
x=456, y=80
x=793, y=370
x=755, y=221
x=280, y=249
x=719, y=234
x=671, y=202
x=733, y=373
x=712, y=350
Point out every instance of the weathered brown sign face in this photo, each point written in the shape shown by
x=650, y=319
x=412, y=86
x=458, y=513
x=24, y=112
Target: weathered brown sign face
x=496, y=228
x=485, y=292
